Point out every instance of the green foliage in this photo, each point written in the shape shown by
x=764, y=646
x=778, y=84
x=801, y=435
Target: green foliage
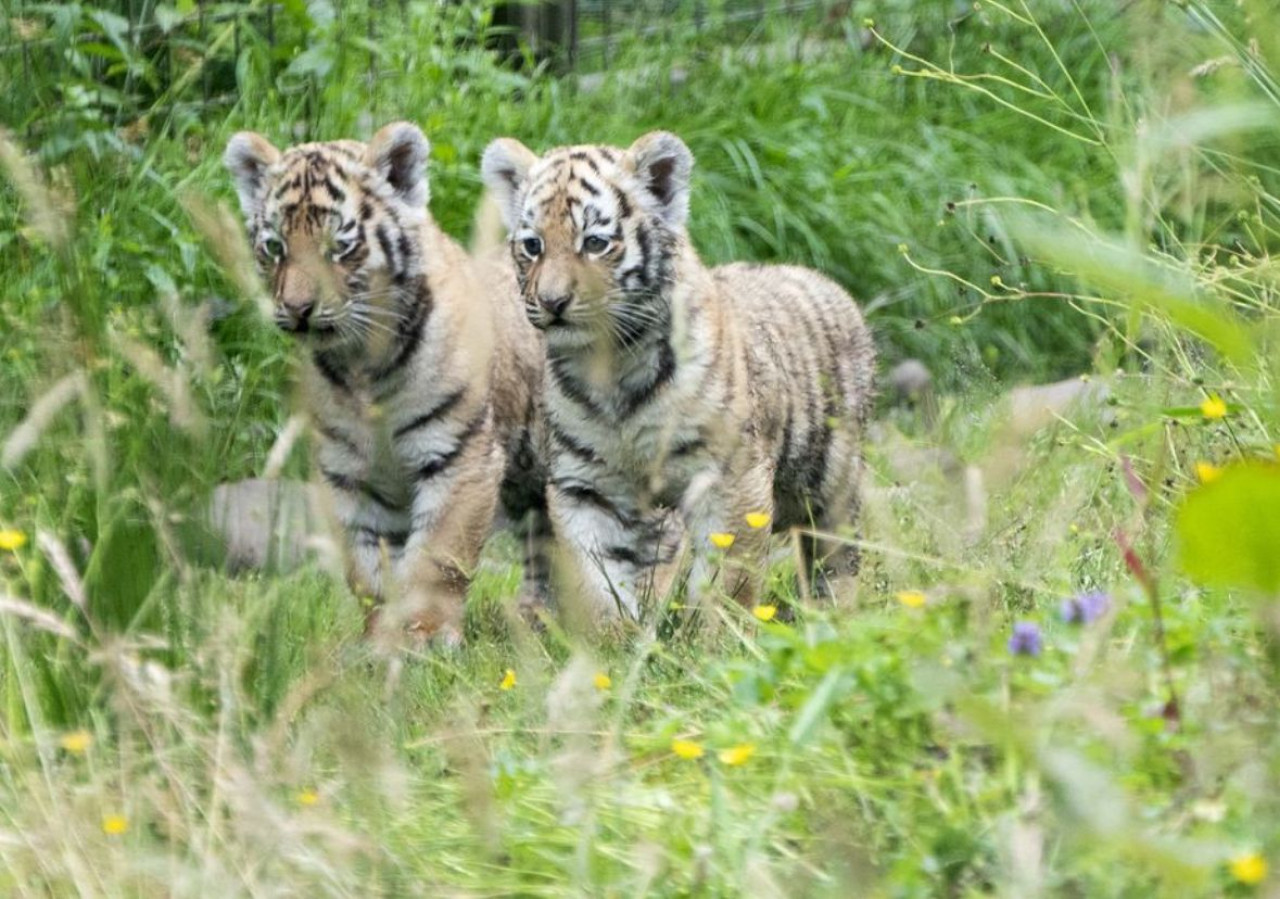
x=1228, y=533
x=1015, y=190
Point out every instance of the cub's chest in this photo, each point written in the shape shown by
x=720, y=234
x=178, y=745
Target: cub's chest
x=654, y=458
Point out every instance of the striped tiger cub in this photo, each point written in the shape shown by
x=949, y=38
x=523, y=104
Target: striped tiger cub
x=683, y=403
x=420, y=375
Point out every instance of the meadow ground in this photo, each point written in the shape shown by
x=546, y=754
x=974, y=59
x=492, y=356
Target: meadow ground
x=1057, y=674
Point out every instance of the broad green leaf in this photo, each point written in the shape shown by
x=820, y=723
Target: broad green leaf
x=1146, y=283
x=1229, y=530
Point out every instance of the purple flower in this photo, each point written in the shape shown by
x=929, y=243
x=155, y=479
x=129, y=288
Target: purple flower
x=1026, y=639
x=1085, y=608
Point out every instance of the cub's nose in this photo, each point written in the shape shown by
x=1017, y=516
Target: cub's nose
x=555, y=305
x=295, y=317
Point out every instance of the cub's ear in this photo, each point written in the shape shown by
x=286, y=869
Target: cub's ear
x=505, y=170
x=247, y=158
x=398, y=152
x=663, y=164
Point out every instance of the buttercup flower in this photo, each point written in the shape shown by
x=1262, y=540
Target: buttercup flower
x=737, y=755
x=757, y=520
x=687, y=749
x=1207, y=472
x=308, y=797
x=1026, y=640
x=1213, y=408
x=1085, y=608
x=12, y=540
x=508, y=680
x=1249, y=868
x=114, y=825
x=765, y=613
x=77, y=742
x=912, y=599
x=721, y=541
x=602, y=681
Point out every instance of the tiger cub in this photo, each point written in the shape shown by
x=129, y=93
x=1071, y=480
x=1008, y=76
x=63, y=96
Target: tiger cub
x=684, y=404
x=421, y=378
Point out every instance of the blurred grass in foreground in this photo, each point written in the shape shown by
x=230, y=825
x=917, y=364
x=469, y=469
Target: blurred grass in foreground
x=1021, y=190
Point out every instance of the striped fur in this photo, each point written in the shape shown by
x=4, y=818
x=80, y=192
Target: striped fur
x=420, y=377
x=679, y=397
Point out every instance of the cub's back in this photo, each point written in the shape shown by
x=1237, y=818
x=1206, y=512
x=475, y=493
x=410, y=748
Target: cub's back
x=810, y=357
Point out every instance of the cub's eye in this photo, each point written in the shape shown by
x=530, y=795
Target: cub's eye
x=595, y=244
x=272, y=247
x=532, y=247
x=342, y=246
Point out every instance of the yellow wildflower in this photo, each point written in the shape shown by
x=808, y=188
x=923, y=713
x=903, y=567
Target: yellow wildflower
x=721, y=541
x=757, y=520
x=12, y=540
x=737, y=755
x=1249, y=868
x=77, y=742
x=602, y=681
x=308, y=797
x=687, y=749
x=912, y=599
x=1207, y=472
x=765, y=613
x=1213, y=407
x=114, y=825
x=508, y=680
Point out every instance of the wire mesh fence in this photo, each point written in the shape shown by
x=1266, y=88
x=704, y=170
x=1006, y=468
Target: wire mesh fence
x=118, y=61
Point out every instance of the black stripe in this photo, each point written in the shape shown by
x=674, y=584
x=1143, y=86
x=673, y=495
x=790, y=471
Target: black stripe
x=372, y=536
x=406, y=249
x=328, y=367
x=785, y=450
x=574, y=446
x=427, y=417
x=821, y=447
x=589, y=187
x=687, y=447
x=632, y=272
x=626, y=554
x=572, y=388
x=584, y=494
x=444, y=460
x=634, y=399
x=643, y=238
x=336, y=192
x=356, y=485
x=329, y=432
x=584, y=156
x=624, y=205
x=410, y=334
x=384, y=240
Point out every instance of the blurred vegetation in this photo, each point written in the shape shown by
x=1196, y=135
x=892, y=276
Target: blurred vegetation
x=1016, y=191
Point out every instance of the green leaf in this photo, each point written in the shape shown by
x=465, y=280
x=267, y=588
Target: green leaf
x=816, y=706
x=1229, y=532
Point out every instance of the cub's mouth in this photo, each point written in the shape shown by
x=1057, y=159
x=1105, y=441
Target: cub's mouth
x=309, y=330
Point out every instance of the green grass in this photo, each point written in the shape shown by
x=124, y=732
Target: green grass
x=254, y=744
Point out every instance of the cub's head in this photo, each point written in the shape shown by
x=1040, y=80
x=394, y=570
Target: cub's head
x=594, y=233
x=334, y=228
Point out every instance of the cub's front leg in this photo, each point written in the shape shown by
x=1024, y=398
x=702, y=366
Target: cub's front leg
x=454, y=503
x=374, y=519
x=727, y=517
x=616, y=555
